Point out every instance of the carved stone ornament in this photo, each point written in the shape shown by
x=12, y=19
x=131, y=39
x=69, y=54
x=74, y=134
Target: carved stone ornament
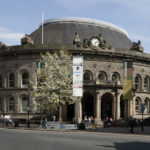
x=86, y=43
x=77, y=40
x=103, y=43
x=26, y=40
x=137, y=46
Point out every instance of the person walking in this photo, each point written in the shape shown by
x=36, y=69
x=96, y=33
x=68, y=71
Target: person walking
x=131, y=124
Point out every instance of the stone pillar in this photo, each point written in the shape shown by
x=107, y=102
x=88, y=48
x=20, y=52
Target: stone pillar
x=130, y=108
x=78, y=112
x=4, y=105
x=98, y=110
x=114, y=106
x=118, y=107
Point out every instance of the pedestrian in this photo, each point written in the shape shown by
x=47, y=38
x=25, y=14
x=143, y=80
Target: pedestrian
x=45, y=122
x=54, y=118
x=89, y=121
x=92, y=120
x=6, y=122
x=85, y=120
x=107, y=121
x=111, y=122
x=105, y=124
x=131, y=124
x=41, y=122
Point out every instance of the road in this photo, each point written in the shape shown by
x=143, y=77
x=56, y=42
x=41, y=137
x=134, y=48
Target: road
x=16, y=139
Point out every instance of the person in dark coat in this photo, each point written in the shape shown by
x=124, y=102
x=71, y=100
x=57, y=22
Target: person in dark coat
x=131, y=124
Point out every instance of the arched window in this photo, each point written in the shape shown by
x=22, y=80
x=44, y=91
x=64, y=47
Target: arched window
x=146, y=84
x=102, y=76
x=115, y=76
x=1, y=81
x=11, y=105
x=138, y=82
x=11, y=80
x=24, y=104
x=1, y=105
x=146, y=105
x=25, y=80
x=87, y=76
x=137, y=105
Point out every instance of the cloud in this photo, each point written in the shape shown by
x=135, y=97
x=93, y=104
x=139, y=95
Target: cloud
x=139, y=37
x=9, y=37
x=139, y=7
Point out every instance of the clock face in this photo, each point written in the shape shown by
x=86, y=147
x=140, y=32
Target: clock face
x=95, y=42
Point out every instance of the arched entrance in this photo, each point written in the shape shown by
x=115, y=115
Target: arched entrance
x=106, y=105
x=87, y=105
x=70, y=112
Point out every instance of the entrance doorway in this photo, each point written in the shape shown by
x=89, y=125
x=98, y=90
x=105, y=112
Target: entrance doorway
x=87, y=105
x=70, y=112
x=106, y=105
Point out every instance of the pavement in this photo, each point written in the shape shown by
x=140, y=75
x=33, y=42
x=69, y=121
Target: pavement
x=116, y=130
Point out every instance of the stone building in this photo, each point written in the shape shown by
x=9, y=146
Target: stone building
x=103, y=46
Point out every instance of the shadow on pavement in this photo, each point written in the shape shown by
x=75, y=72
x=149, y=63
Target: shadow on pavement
x=128, y=146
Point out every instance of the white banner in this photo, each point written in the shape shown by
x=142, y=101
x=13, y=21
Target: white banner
x=53, y=125
x=77, y=76
x=69, y=126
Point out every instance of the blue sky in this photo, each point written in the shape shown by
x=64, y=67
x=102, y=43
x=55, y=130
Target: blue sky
x=18, y=17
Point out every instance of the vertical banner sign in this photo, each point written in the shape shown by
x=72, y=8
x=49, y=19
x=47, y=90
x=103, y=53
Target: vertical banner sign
x=127, y=79
x=40, y=70
x=77, y=76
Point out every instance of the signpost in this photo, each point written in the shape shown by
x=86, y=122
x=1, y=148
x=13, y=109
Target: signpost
x=142, y=111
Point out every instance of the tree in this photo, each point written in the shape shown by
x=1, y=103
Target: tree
x=54, y=85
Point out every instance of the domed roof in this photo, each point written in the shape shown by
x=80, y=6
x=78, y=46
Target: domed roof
x=62, y=31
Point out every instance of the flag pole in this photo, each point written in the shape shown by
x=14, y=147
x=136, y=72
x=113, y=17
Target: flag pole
x=42, y=25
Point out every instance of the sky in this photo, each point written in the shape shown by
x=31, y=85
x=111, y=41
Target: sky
x=20, y=17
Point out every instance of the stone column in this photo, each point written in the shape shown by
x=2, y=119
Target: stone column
x=114, y=106
x=98, y=109
x=130, y=108
x=4, y=105
x=78, y=112
x=118, y=107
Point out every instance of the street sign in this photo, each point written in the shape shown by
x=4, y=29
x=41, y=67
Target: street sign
x=142, y=108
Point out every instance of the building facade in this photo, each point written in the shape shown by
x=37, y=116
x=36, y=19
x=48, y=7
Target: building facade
x=103, y=46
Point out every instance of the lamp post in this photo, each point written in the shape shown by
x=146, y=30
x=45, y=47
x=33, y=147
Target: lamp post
x=142, y=111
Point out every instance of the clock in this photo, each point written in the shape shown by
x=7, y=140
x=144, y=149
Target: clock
x=95, y=42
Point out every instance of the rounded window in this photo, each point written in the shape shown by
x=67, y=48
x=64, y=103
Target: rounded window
x=25, y=78
x=115, y=77
x=138, y=82
x=87, y=76
x=25, y=104
x=102, y=76
x=146, y=106
x=137, y=105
